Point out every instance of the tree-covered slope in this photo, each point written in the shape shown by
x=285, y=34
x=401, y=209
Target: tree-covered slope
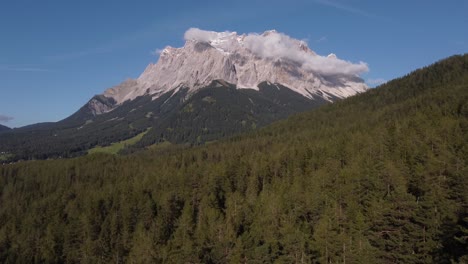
x=377, y=178
x=214, y=112
x=222, y=110
x=4, y=128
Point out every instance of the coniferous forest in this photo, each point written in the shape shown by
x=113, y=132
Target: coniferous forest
x=380, y=177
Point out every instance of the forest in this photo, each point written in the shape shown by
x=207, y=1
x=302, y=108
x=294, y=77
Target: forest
x=380, y=177
x=217, y=111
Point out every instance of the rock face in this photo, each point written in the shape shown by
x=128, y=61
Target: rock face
x=99, y=105
x=245, y=61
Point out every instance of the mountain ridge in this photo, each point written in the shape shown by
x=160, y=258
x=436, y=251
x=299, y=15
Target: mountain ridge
x=4, y=128
x=228, y=56
x=168, y=115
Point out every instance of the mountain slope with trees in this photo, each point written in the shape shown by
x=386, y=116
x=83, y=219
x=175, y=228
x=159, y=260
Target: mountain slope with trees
x=4, y=128
x=214, y=112
x=243, y=89
x=377, y=178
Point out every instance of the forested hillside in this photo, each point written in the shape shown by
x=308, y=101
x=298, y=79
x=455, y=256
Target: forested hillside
x=377, y=178
x=215, y=112
x=4, y=128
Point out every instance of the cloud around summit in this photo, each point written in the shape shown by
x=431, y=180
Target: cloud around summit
x=276, y=46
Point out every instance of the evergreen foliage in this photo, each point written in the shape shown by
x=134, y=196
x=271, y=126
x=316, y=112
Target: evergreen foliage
x=378, y=178
x=215, y=112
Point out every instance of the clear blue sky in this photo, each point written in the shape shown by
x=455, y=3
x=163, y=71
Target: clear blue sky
x=55, y=55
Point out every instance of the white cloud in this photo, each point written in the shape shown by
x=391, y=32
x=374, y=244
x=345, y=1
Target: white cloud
x=4, y=118
x=22, y=68
x=376, y=82
x=276, y=46
x=322, y=39
x=202, y=35
x=157, y=52
x=280, y=46
x=345, y=8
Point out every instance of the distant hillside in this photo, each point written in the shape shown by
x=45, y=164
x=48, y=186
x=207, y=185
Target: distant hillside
x=377, y=178
x=4, y=128
x=214, y=112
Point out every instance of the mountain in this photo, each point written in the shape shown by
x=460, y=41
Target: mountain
x=376, y=178
x=216, y=85
x=4, y=128
x=236, y=60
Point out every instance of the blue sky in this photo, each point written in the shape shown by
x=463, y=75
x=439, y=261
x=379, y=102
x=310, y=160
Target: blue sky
x=55, y=55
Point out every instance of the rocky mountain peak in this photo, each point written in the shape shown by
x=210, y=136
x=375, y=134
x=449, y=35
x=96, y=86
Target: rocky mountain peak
x=246, y=61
